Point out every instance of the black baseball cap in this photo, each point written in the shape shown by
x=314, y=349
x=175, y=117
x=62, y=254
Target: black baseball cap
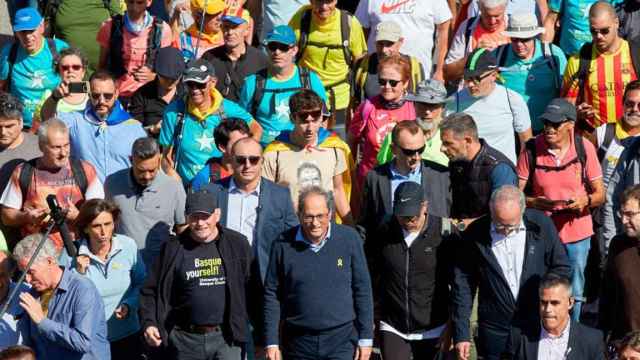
x=479, y=62
x=169, y=63
x=559, y=110
x=199, y=71
x=408, y=199
x=202, y=201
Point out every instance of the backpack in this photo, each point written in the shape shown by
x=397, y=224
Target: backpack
x=116, y=64
x=609, y=135
x=26, y=173
x=581, y=157
x=261, y=80
x=345, y=31
x=547, y=52
x=13, y=55
x=585, y=63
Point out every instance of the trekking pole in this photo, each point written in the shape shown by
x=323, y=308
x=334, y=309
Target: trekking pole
x=200, y=30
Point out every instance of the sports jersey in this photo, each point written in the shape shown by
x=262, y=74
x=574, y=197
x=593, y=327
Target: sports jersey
x=273, y=114
x=330, y=64
x=604, y=87
x=32, y=75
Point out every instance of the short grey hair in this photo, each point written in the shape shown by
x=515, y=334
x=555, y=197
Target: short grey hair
x=53, y=124
x=491, y=4
x=552, y=280
x=27, y=247
x=311, y=190
x=10, y=107
x=507, y=193
x=145, y=148
x=460, y=124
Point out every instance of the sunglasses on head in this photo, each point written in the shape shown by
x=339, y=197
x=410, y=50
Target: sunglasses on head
x=478, y=78
x=74, y=67
x=97, y=96
x=303, y=115
x=603, y=31
x=384, y=82
x=273, y=46
x=253, y=160
x=196, y=85
x=412, y=152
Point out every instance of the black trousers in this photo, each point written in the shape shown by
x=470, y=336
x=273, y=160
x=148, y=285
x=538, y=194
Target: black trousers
x=393, y=347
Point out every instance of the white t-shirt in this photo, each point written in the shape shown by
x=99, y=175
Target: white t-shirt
x=497, y=117
x=418, y=20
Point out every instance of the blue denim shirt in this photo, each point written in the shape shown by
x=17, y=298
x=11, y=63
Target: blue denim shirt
x=75, y=327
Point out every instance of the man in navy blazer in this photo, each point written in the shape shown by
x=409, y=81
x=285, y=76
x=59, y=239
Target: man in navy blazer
x=556, y=336
x=504, y=256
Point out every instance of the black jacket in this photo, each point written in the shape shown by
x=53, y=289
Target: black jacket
x=477, y=267
x=377, y=207
x=585, y=343
x=155, y=295
x=411, y=284
x=231, y=74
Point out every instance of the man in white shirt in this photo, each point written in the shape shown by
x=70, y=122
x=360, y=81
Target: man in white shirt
x=419, y=20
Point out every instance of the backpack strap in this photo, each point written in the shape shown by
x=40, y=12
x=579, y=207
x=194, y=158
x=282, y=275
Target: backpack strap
x=258, y=93
x=547, y=52
x=345, y=30
x=582, y=158
x=609, y=135
x=79, y=175
x=468, y=31
x=13, y=55
x=261, y=80
x=26, y=173
x=305, y=79
x=178, y=133
x=116, y=64
x=305, y=28
x=501, y=54
x=583, y=70
x=154, y=41
x=530, y=148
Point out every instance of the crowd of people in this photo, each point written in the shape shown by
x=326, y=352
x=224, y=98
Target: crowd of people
x=277, y=179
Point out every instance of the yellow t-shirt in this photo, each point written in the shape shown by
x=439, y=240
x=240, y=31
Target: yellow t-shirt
x=330, y=64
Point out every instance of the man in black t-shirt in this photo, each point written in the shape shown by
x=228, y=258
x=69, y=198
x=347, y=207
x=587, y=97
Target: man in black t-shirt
x=195, y=293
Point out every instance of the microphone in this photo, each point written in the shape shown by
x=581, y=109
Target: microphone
x=59, y=217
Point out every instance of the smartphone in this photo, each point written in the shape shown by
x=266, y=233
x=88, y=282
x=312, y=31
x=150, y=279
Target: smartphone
x=81, y=87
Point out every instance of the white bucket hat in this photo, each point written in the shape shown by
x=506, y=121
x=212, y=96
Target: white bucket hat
x=523, y=26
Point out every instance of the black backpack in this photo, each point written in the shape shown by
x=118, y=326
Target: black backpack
x=13, y=55
x=116, y=64
x=26, y=173
x=261, y=80
x=345, y=30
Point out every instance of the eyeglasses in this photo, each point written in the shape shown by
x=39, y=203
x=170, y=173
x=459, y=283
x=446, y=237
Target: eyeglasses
x=554, y=125
x=384, y=82
x=521, y=40
x=105, y=96
x=603, y=31
x=478, y=78
x=273, y=46
x=196, y=85
x=412, y=152
x=628, y=214
x=253, y=160
x=74, y=67
x=506, y=228
x=309, y=219
x=303, y=115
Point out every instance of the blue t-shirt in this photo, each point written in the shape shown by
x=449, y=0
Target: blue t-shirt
x=535, y=79
x=32, y=75
x=198, y=144
x=574, y=16
x=273, y=114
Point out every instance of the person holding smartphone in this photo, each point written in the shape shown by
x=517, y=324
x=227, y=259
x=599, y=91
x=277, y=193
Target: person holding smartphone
x=71, y=94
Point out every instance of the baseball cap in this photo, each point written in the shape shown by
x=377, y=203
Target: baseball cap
x=429, y=91
x=199, y=71
x=236, y=20
x=169, y=63
x=27, y=19
x=407, y=199
x=202, y=201
x=480, y=61
x=388, y=31
x=281, y=34
x=559, y=110
x=213, y=6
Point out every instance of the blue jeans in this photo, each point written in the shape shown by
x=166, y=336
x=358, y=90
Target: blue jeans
x=578, y=252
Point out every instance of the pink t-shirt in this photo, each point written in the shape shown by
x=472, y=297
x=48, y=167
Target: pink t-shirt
x=134, y=52
x=563, y=185
x=374, y=129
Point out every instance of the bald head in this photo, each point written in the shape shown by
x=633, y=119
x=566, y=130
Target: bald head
x=602, y=8
x=245, y=144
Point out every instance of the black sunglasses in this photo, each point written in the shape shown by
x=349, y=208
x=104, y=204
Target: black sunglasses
x=383, y=82
x=303, y=115
x=273, y=46
x=604, y=31
x=253, y=160
x=478, y=78
x=97, y=96
x=196, y=85
x=412, y=152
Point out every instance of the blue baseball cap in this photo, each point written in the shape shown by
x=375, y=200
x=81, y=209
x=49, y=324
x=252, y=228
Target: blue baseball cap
x=281, y=34
x=236, y=20
x=27, y=19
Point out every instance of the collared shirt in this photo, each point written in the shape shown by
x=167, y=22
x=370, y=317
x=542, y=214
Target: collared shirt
x=397, y=178
x=242, y=210
x=12, y=323
x=313, y=247
x=75, y=327
x=509, y=251
x=553, y=347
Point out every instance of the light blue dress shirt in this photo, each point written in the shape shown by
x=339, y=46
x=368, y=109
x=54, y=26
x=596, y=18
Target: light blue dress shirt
x=242, y=209
x=397, y=178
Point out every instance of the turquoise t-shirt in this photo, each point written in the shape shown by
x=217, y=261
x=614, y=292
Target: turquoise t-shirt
x=198, y=144
x=534, y=79
x=32, y=75
x=574, y=17
x=273, y=114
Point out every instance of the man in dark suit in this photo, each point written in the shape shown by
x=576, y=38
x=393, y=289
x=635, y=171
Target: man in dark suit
x=408, y=143
x=504, y=256
x=556, y=336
